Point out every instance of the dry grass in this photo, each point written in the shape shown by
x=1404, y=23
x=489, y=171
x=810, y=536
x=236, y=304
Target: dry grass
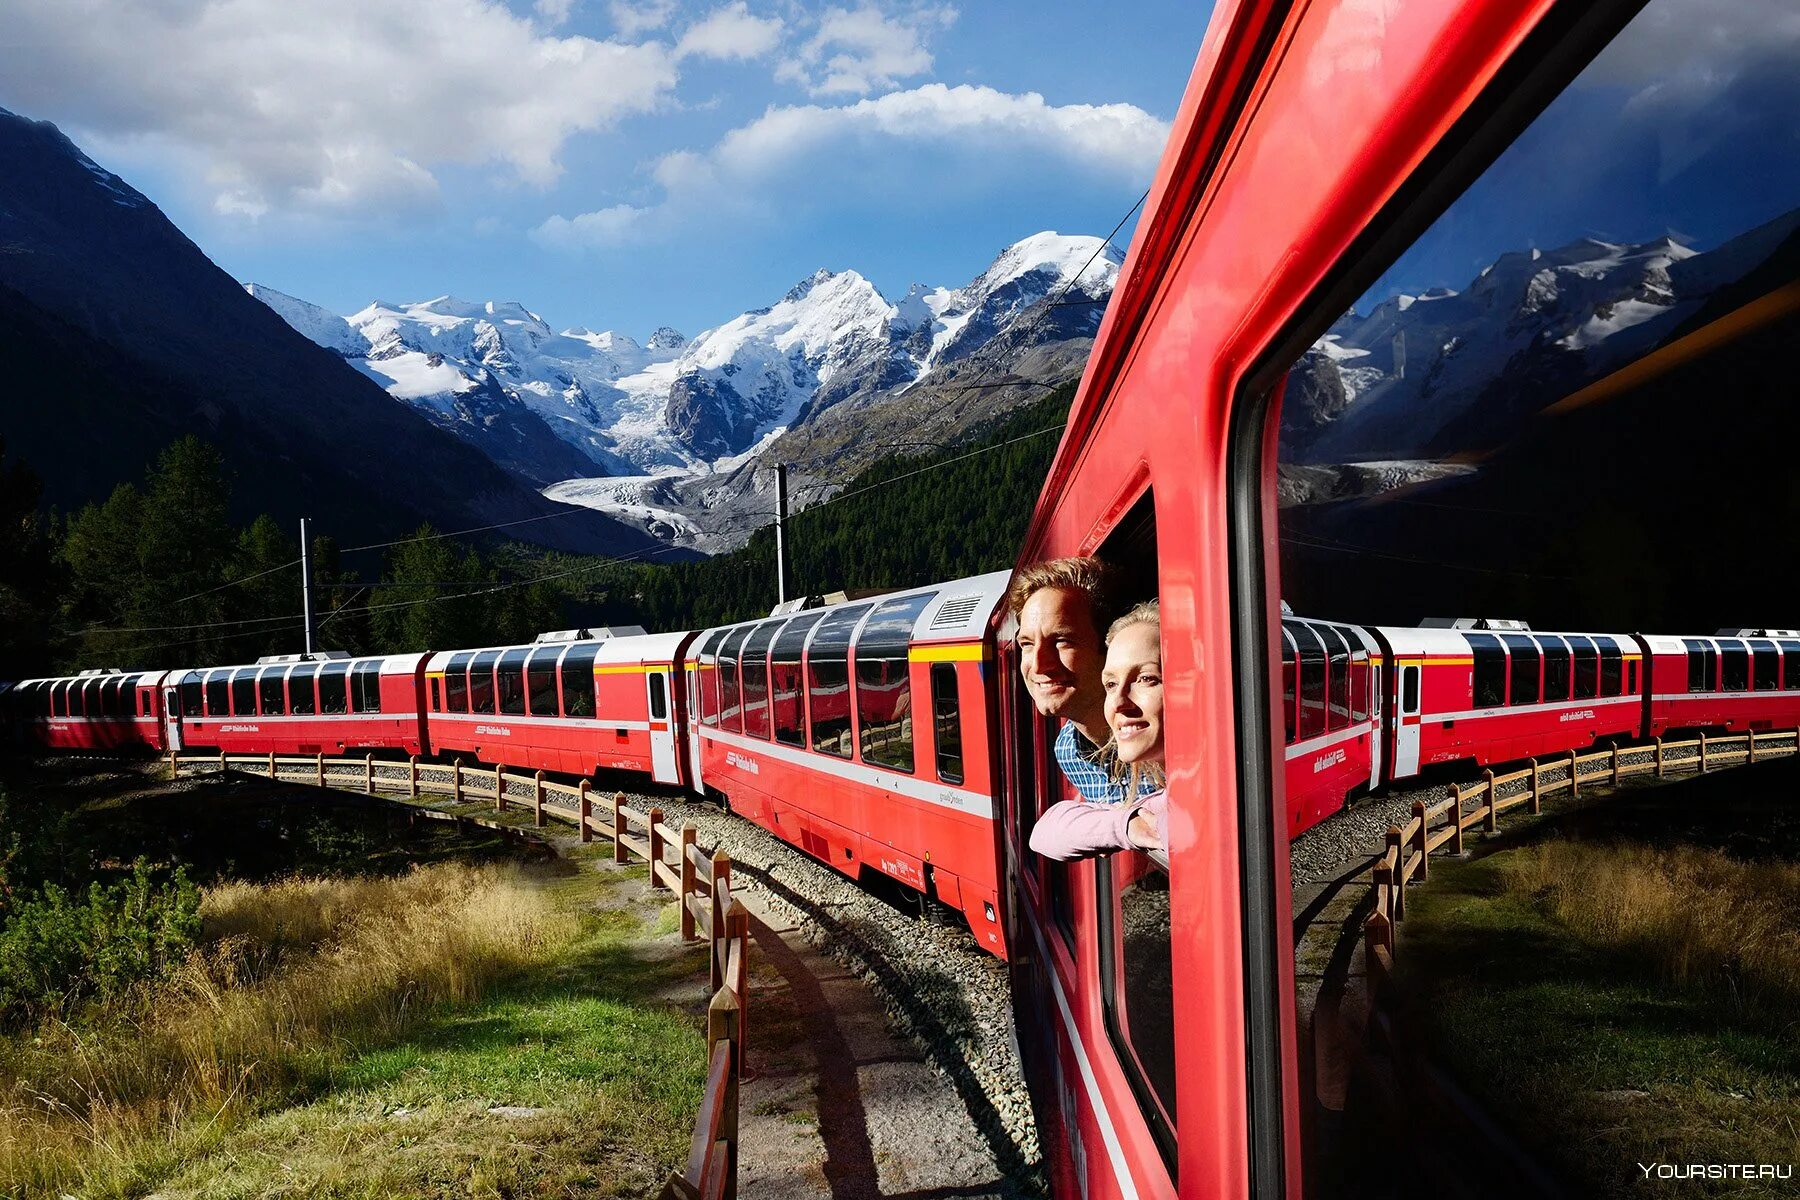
x=295, y=978
x=1692, y=917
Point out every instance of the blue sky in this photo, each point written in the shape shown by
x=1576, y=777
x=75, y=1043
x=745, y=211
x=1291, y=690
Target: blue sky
x=616, y=164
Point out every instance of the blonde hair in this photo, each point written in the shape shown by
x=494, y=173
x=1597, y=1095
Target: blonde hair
x=1149, y=612
x=1095, y=578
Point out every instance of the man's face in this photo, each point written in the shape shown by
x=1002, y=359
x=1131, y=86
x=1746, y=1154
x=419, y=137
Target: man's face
x=1060, y=654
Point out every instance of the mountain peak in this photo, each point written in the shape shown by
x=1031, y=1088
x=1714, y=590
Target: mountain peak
x=665, y=338
x=804, y=288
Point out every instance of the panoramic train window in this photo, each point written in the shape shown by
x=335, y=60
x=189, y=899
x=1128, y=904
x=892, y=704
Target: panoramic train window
x=193, y=702
x=755, y=672
x=218, y=695
x=884, y=681
x=481, y=681
x=1790, y=666
x=708, y=674
x=302, y=695
x=578, y=696
x=1290, y=671
x=1312, y=681
x=731, y=695
x=540, y=680
x=365, y=686
x=1537, y=408
x=334, y=689
x=243, y=691
x=509, y=682
x=784, y=679
x=456, y=682
x=946, y=722
x=1337, y=653
x=271, y=692
x=828, y=679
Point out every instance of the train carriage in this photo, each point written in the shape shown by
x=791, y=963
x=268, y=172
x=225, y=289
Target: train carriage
x=1481, y=695
x=856, y=732
x=95, y=710
x=1331, y=716
x=1738, y=681
x=291, y=704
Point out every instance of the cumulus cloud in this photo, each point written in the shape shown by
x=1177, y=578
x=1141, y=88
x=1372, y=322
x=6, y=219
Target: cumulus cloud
x=731, y=32
x=632, y=19
x=857, y=51
x=925, y=140
x=554, y=12
x=329, y=106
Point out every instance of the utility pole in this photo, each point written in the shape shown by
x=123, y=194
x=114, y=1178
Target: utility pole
x=781, y=546
x=306, y=584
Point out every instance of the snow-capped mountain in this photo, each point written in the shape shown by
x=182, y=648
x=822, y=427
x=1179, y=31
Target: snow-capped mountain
x=1422, y=376
x=649, y=417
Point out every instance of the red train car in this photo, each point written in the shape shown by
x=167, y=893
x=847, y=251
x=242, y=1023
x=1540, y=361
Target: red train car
x=565, y=703
x=95, y=710
x=1480, y=695
x=1739, y=681
x=808, y=724
x=290, y=704
x=1331, y=714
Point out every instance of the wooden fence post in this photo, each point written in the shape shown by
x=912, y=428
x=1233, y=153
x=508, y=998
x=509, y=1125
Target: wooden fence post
x=456, y=780
x=620, y=854
x=1659, y=757
x=1456, y=846
x=271, y=764
x=1493, y=794
x=1537, y=799
x=1424, y=854
x=1377, y=931
x=721, y=881
x=724, y=1024
x=537, y=800
x=1397, y=902
x=738, y=929
x=1615, y=763
x=499, y=789
x=1750, y=746
x=587, y=810
x=689, y=835
x=369, y=774
x=656, y=847
x=321, y=769
x=1574, y=776
x=1703, y=752
x=412, y=774
x=221, y=762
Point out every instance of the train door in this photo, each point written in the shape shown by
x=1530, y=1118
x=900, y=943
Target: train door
x=693, y=728
x=171, y=715
x=662, y=727
x=1406, y=717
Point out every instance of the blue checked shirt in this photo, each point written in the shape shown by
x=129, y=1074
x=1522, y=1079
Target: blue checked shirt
x=1075, y=755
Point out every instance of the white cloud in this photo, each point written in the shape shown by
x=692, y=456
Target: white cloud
x=632, y=19
x=905, y=147
x=327, y=106
x=857, y=51
x=731, y=32
x=554, y=12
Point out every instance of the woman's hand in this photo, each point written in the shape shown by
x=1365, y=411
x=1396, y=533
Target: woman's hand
x=1143, y=830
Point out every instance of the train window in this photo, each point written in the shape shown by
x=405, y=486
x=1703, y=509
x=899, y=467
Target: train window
x=1137, y=983
x=828, y=679
x=1559, y=672
x=1585, y=660
x=578, y=696
x=708, y=676
x=1766, y=673
x=456, y=683
x=946, y=722
x=193, y=700
x=731, y=696
x=218, y=695
x=334, y=689
x=481, y=681
x=786, y=708
x=884, y=681
x=1790, y=666
x=509, y=682
x=365, y=686
x=437, y=693
x=1337, y=654
x=59, y=699
x=1290, y=671
x=754, y=669
x=243, y=692
x=540, y=680
x=1362, y=676
x=1312, y=680
x=659, y=696
x=1734, y=667
x=1523, y=674
x=1631, y=666
x=1022, y=755
x=1696, y=664
x=1612, y=674
x=1489, y=669
x=302, y=696
x=107, y=693
x=270, y=694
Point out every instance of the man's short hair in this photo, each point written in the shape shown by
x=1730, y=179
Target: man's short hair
x=1094, y=577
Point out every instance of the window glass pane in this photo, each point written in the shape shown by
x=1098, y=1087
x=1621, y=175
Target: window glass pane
x=946, y=721
x=1586, y=658
x=456, y=683
x=302, y=699
x=1290, y=681
x=1522, y=675
x=1766, y=675
x=1734, y=667
x=1338, y=655
x=270, y=691
x=884, y=682
x=1696, y=663
x=1409, y=690
x=754, y=670
x=192, y=699
x=784, y=679
x=218, y=694
x=509, y=676
x=243, y=691
x=1137, y=982
x=481, y=681
x=365, y=686
x=334, y=689
x=578, y=695
x=659, y=697
x=1790, y=666
x=708, y=685
x=540, y=680
x=1559, y=673
x=1312, y=681
x=828, y=679
x=1612, y=672
x=1360, y=678
x=731, y=704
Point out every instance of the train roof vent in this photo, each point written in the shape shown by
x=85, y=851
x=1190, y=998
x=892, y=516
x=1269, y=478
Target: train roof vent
x=1758, y=633
x=1287, y=610
x=268, y=659
x=797, y=604
x=955, y=612
x=613, y=631
x=327, y=655
x=101, y=671
x=1496, y=624
x=560, y=635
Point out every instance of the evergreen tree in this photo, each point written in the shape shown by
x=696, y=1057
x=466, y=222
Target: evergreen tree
x=29, y=576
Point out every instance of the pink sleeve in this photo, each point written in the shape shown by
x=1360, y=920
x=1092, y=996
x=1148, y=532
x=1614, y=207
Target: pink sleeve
x=1077, y=829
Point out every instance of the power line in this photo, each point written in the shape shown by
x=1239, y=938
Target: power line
x=432, y=537
x=233, y=583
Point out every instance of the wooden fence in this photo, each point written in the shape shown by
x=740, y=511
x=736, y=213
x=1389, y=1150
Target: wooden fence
x=701, y=883
x=1432, y=827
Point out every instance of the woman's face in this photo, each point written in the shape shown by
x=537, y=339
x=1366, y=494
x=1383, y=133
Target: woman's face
x=1134, y=694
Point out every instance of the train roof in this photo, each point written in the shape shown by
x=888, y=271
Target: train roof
x=138, y=678
x=1677, y=643
x=648, y=647
x=1455, y=641
x=391, y=664
x=959, y=608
